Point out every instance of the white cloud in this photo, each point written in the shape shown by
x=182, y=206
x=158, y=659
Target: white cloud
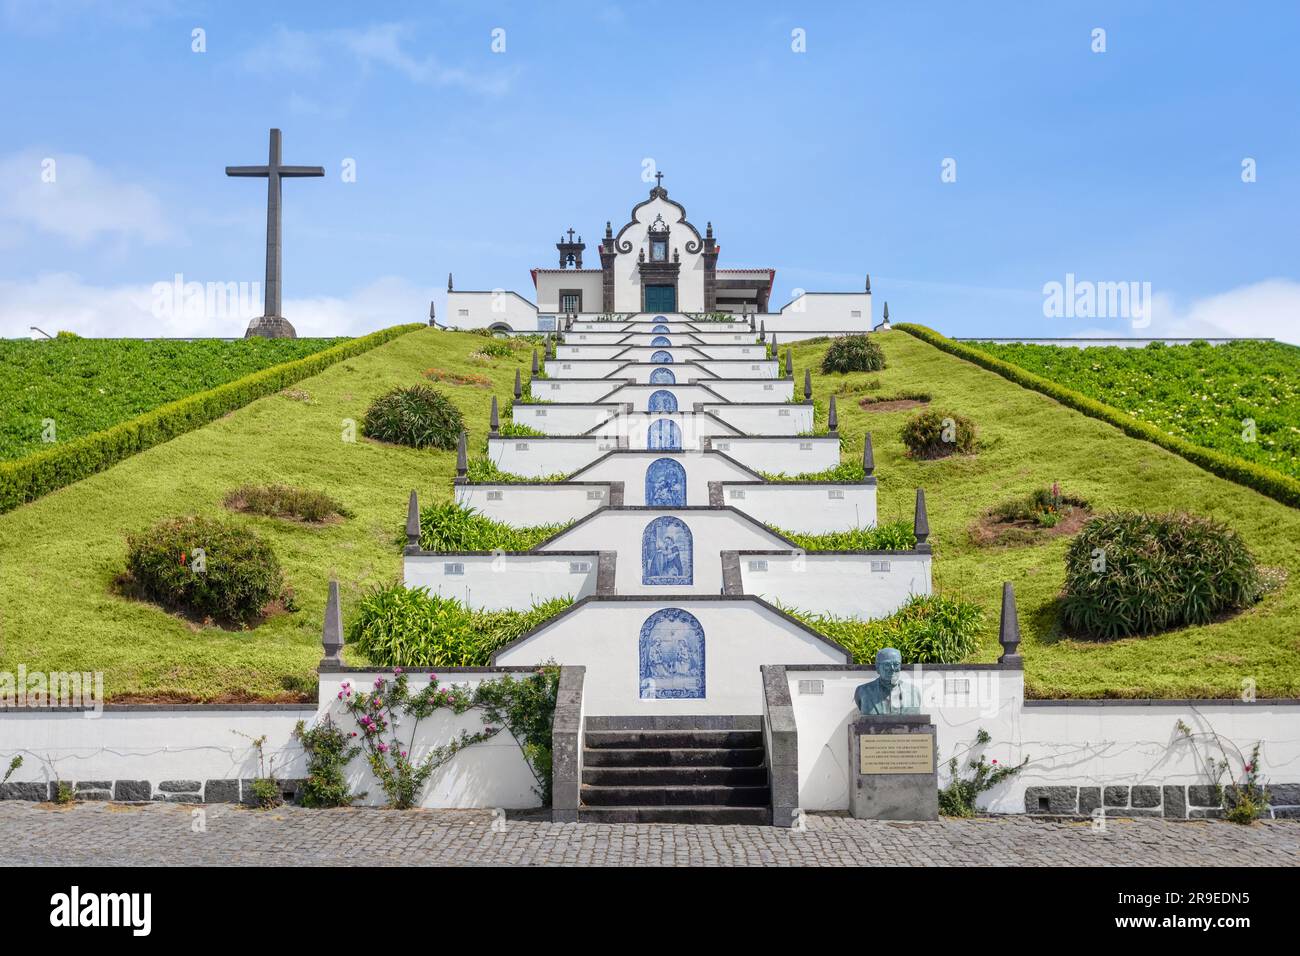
x=62, y=300
x=1268, y=309
x=380, y=45
x=67, y=195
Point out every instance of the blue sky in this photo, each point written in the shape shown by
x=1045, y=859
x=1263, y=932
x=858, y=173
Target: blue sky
x=1121, y=166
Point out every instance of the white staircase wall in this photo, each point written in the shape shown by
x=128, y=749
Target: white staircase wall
x=740, y=636
x=544, y=457
x=499, y=582
x=781, y=455
x=816, y=508
x=776, y=419
x=863, y=586
x=526, y=505
x=630, y=468
x=562, y=419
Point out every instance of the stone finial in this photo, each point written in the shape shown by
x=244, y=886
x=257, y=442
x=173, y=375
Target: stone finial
x=609, y=230
x=920, y=523
x=762, y=328
x=413, y=521
x=807, y=385
x=449, y=284
x=433, y=315
x=1009, y=628
x=519, y=386
x=752, y=326
x=462, y=455
x=868, y=288
x=535, y=365
x=789, y=363
x=868, y=456
x=832, y=419
x=332, y=635
x=708, y=231
x=885, y=315
x=494, y=420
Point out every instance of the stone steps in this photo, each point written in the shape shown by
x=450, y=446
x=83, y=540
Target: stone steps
x=678, y=770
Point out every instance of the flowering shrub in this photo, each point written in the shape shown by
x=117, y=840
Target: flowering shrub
x=524, y=707
x=958, y=798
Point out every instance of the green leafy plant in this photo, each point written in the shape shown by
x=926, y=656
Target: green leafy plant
x=512, y=429
x=482, y=470
x=893, y=536
x=14, y=764
x=449, y=526
x=457, y=378
x=958, y=798
x=266, y=789
x=329, y=750
x=853, y=353
x=158, y=417
x=397, y=626
x=525, y=707
x=207, y=568
x=497, y=348
x=1128, y=573
x=937, y=434
x=417, y=416
x=1044, y=507
x=928, y=629
x=1264, y=479
x=843, y=472
x=63, y=792
x=1245, y=801
x=285, y=501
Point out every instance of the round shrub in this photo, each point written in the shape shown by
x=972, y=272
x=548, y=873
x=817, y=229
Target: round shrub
x=853, y=353
x=1128, y=573
x=937, y=434
x=231, y=579
x=418, y=416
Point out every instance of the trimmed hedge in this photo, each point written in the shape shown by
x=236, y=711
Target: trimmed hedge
x=1275, y=485
x=29, y=478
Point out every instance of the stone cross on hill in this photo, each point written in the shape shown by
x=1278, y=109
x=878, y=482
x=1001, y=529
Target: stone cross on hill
x=272, y=324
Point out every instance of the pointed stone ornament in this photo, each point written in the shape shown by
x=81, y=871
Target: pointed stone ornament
x=789, y=363
x=1009, y=627
x=807, y=385
x=519, y=388
x=332, y=635
x=462, y=456
x=413, y=521
x=832, y=419
x=494, y=421
x=886, y=313
x=535, y=365
x=433, y=315
x=920, y=523
x=868, y=289
x=762, y=328
x=449, y=288
x=752, y=326
x=868, y=456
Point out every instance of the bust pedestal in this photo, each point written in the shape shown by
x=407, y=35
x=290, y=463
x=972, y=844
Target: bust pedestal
x=893, y=768
x=270, y=327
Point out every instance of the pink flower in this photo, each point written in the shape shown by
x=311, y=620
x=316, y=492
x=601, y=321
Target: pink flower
x=995, y=761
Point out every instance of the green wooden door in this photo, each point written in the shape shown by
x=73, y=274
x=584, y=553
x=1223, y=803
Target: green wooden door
x=660, y=298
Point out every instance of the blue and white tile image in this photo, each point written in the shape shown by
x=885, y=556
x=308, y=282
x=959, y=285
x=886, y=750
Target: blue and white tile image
x=663, y=376
x=664, y=434
x=665, y=484
x=663, y=340
x=660, y=328
x=659, y=318
x=662, y=401
x=664, y=358
x=671, y=651
x=666, y=552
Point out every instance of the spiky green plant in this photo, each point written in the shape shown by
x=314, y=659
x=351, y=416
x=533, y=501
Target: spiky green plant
x=1129, y=573
x=449, y=526
x=893, y=536
x=928, y=629
x=417, y=415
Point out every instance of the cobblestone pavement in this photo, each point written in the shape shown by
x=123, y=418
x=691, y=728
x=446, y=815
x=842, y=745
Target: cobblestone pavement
x=117, y=834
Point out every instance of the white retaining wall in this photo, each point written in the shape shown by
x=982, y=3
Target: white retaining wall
x=815, y=508
x=1100, y=744
x=501, y=582
x=630, y=467
x=782, y=455
x=524, y=505
x=543, y=457
x=779, y=419
x=566, y=419
x=863, y=586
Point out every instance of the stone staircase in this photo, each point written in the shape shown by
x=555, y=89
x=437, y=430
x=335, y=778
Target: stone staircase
x=674, y=770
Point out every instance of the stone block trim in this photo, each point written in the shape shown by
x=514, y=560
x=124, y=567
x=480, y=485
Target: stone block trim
x=1173, y=801
x=221, y=791
x=132, y=791
x=1055, y=801
x=566, y=746
x=181, y=786
x=782, y=740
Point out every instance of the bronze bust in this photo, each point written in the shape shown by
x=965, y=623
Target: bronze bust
x=887, y=694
